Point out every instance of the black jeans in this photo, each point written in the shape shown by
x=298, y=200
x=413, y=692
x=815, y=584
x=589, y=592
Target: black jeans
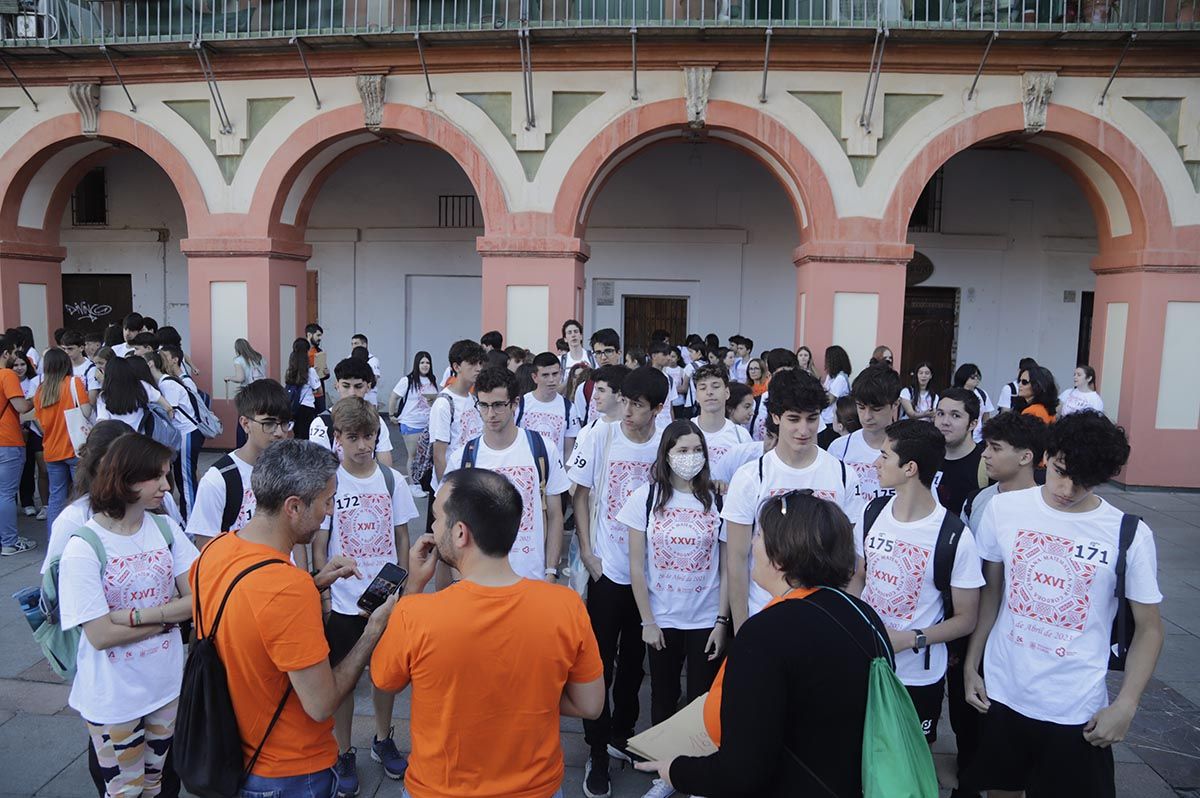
x=964, y=719
x=617, y=625
x=680, y=646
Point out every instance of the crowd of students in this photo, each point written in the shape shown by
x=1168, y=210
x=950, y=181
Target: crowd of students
x=713, y=512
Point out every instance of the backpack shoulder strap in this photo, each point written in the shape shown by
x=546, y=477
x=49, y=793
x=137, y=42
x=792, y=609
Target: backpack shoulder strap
x=944, y=553
x=761, y=457
x=520, y=410
x=842, y=463
x=541, y=458
x=469, y=453
x=649, y=504
x=228, y=470
x=871, y=514
x=87, y=534
x=567, y=410
x=1129, y=524
x=719, y=501
x=164, y=529
x=389, y=479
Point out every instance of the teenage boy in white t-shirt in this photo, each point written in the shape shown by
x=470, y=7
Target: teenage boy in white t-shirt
x=73, y=344
x=544, y=410
x=352, y=377
x=610, y=406
x=453, y=418
x=660, y=359
x=360, y=340
x=606, y=350
x=370, y=526
x=742, y=348
x=265, y=415
x=506, y=449
x=183, y=419
x=876, y=392
x=1012, y=447
x=618, y=460
x=778, y=359
x=720, y=434
x=572, y=333
x=1046, y=615
x=896, y=562
x=795, y=463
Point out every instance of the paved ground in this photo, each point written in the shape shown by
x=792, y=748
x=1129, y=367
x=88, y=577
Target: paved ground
x=42, y=742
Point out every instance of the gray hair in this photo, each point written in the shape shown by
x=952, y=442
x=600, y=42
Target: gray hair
x=291, y=468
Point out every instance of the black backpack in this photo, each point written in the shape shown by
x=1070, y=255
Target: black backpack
x=1123, y=625
x=944, y=552
x=207, y=748
x=233, y=491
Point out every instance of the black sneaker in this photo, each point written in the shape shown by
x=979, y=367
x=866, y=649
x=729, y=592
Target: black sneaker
x=595, y=776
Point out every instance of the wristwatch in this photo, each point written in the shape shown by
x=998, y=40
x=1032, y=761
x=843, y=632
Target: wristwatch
x=921, y=641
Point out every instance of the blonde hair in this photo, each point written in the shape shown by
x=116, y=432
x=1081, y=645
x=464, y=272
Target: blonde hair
x=247, y=352
x=355, y=415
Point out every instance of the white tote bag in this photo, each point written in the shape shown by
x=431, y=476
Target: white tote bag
x=77, y=426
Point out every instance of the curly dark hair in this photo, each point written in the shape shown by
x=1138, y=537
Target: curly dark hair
x=795, y=391
x=1092, y=449
x=494, y=377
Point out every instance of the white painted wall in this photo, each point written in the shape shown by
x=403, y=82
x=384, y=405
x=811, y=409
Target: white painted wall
x=145, y=224
x=702, y=221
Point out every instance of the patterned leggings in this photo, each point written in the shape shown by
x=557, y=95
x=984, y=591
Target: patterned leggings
x=131, y=754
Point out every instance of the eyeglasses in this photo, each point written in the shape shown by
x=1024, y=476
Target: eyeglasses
x=484, y=407
x=606, y=352
x=270, y=425
x=783, y=499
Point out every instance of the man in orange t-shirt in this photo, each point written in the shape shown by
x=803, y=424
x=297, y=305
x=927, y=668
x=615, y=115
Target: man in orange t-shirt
x=493, y=660
x=272, y=635
x=12, y=451
x=314, y=334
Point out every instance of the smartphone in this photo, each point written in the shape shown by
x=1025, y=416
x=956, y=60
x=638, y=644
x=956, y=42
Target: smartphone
x=391, y=578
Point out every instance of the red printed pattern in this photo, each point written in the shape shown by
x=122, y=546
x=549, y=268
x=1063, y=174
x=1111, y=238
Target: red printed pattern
x=894, y=581
x=624, y=477
x=366, y=532
x=470, y=425
x=140, y=580
x=715, y=453
x=684, y=540
x=1048, y=584
x=549, y=425
x=246, y=511
x=525, y=480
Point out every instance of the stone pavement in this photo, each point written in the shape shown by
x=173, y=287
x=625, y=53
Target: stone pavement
x=43, y=743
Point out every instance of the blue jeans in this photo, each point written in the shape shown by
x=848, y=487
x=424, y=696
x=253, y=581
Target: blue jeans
x=12, y=461
x=322, y=784
x=62, y=474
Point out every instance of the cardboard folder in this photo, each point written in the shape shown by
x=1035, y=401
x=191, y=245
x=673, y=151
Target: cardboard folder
x=682, y=734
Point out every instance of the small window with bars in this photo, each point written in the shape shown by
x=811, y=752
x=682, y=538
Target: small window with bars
x=927, y=213
x=457, y=210
x=89, y=201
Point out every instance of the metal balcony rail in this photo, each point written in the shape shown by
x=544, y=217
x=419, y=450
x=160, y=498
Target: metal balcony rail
x=53, y=23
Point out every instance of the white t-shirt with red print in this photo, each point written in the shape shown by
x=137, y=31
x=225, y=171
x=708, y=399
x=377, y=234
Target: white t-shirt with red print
x=125, y=682
x=856, y=453
x=453, y=427
x=205, y=516
x=1047, y=655
x=747, y=494
x=719, y=443
x=899, y=557
x=551, y=419
x=517, y=464
x=612, y=479
x=683, y=562
x=362, y=527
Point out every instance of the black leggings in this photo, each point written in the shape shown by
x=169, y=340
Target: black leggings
x=303, y=420
x=680, y=646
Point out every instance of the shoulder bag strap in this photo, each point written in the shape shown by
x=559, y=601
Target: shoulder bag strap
x=164, y=529
x=1129, y=525
x=74, y=390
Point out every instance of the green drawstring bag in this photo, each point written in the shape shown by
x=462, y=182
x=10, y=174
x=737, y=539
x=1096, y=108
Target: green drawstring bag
x=896, y=761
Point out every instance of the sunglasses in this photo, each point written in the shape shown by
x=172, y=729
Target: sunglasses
x=1024, y=382
x=783, y=499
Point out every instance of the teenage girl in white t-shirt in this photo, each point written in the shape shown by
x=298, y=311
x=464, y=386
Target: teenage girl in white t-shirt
x=917, y=399
x=969, y=376
x=130, y=658
x=1083, y=396
x=675, y=554
x=410, y=400
x=302, y=377
x=836, y=381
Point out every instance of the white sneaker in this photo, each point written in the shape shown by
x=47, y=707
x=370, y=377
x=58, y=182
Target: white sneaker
x=30, y=512
x=417, y=491
x=659, y=789
x=41, y=514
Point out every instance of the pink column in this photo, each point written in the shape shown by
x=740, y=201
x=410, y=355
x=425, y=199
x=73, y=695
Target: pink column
x=825, y=270
x=253, y=271
x=1136, y=299
x=31, y=264
x=552, y=264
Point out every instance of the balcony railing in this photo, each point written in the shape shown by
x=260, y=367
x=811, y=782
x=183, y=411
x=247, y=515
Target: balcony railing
x=54, y=23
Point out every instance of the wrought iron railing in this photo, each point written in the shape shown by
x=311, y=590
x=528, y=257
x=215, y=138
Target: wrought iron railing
x=74, y=22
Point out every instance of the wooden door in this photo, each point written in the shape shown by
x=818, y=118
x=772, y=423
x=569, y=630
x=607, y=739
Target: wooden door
x=312, y=297
x=930, y=323
x=91, y=302
x=1087, y=304
x=645, y=314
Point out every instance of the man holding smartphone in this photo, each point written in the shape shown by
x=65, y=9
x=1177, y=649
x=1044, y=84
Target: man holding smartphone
x=485, y=712
x=369, y=523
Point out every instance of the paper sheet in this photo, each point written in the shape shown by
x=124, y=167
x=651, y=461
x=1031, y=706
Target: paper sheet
x=682, y=734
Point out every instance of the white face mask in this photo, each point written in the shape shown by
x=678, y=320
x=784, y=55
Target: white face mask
x=686, y=466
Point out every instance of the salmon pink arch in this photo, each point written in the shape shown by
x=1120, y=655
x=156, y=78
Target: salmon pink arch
x=23, y=161
x=762, y=137
x=285, y=170
x=1151, y=233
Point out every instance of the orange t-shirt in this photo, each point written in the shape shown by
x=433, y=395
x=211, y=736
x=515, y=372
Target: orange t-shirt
x=10, y=421
x=56, y=442
x=487, y=667
x=272, y=625
x=712, y=704
x=312, y=364
x=1039, y=412
x=758, y=389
